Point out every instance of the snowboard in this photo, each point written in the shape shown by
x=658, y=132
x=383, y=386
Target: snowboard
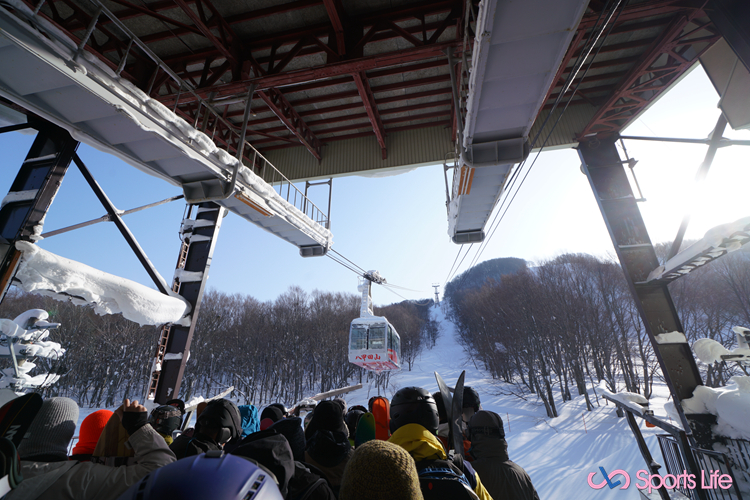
x=457, y=416
x=381, y=412
x=365, y=429
x=445, y=393
x=16, y=416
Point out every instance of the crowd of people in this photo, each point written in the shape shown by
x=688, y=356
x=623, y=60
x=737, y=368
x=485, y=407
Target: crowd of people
x=393, y=450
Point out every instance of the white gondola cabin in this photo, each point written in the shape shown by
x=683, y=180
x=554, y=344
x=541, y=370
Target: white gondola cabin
x=373, y=342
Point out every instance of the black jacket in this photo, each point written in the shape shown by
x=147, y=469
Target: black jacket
x=502, y=477
x=187, y=446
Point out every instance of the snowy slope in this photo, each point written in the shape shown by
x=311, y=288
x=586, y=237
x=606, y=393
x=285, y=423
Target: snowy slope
x=557, y=453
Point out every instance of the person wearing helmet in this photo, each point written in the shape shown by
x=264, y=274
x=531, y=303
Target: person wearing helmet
x=165, y=419
x=207, y=475
x=216, y=425
x=503, y=477
x=471, y=403
x=414, y=424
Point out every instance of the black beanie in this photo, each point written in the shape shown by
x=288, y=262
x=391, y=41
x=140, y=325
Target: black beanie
x=327, y=416
x=486, y=423
x=272, y=412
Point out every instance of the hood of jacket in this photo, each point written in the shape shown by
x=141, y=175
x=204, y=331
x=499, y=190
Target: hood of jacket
x=328, y=448
x=419, y=442
x=272, y=451
x=489, y=448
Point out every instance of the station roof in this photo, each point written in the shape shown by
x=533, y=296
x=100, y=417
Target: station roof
x=341, y=87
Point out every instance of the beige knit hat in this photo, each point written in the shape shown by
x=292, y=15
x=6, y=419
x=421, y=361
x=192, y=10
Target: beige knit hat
x=379, y=470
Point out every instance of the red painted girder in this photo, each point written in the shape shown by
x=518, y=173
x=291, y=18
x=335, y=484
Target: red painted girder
x=292, y=37
x=289, y=117
x=383, y=112
x=640, y=11
x=321, y=72
x=273, y=98
x=368, y=100
x=357, y=105
x=321, y=30
x=364, y=124
x=381, y=88
x=624, y=104
x=335, y=14
x=206, y=31
x=444, y=123
x=134, y=11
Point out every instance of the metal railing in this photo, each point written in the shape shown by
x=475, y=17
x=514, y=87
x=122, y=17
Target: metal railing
x=210, y=116
x=707, y=461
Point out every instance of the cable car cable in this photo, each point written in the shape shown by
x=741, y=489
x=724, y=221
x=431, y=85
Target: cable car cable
x=571, y=77
x=352, y=263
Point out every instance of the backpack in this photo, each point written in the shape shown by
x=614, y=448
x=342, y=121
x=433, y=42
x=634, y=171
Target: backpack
x=440, y=479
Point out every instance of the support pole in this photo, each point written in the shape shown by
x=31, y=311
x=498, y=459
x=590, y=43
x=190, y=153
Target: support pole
x=653, y=467
x=198, y=235
x=114, y=216
x=31, y=195
x=700, y=176
x=604, y=168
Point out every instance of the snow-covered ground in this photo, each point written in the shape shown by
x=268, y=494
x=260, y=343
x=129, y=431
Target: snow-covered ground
x=557, y=453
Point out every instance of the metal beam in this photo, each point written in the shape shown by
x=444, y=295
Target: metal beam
x=609, y=181
x=115, y=217
x=634, y=94
x=348, y=67
x=173, y=348
x=276, y=101
x=365, y=93
x=33, y=190
x=336, y=15
x=700, y=176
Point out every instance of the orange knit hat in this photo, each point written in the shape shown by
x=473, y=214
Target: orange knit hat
x=91, y=429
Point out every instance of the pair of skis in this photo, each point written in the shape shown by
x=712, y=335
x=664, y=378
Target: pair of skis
x=454, y=409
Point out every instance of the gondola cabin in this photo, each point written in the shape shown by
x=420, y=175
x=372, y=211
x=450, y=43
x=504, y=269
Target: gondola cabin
x=374, y=344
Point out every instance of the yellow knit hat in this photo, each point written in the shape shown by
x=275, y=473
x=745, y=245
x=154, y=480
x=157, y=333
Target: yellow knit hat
x=380, y=470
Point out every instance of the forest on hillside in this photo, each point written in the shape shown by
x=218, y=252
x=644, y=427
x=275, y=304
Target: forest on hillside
x=571, y=321
x=281, y=350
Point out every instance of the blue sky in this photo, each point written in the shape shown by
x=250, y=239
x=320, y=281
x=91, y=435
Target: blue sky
x=398, y=224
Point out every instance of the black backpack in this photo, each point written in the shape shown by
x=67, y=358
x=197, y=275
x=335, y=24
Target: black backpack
x=441, y=479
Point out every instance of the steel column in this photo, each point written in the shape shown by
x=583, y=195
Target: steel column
x=606, y=173
x=700, y=176
x=198, y=243
x=31, y=195
x=653, y=467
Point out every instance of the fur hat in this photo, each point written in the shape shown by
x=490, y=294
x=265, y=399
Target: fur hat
x=51, y=431
x=91, y=428
x=377, y=470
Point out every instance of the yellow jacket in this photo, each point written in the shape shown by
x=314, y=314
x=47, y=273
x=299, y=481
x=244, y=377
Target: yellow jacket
x=423, y=445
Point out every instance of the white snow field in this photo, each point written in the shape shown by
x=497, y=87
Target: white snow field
x=557, y=453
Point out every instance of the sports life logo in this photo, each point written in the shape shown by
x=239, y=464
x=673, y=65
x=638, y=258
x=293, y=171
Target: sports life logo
x=707, y=480
x=609, y=479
